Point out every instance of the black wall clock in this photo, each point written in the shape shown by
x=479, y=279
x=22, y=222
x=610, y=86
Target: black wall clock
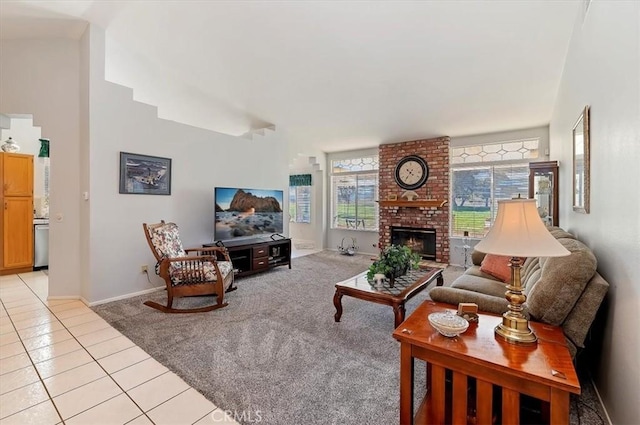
x=411, y=172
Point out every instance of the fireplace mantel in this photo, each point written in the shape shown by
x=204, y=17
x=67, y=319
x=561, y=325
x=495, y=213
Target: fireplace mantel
x=415, y=204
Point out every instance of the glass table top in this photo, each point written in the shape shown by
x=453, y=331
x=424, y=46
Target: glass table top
x=401, y=283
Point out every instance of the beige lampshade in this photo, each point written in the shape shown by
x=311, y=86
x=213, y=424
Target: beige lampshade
x=519, y=232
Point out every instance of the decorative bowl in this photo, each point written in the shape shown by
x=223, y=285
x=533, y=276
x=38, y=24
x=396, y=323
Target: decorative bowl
x=448, y=323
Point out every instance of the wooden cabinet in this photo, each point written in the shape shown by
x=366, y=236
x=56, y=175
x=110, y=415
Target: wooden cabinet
x=260, y=257
x=543, y=187
x=17, y=175
x=251, y=256
x=16, y=216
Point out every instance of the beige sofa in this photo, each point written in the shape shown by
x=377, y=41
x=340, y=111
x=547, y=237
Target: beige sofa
x=562, y=291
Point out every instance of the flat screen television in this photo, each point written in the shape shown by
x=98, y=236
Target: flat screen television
x=247, y=212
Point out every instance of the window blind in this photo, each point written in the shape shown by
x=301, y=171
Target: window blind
x=300, y=180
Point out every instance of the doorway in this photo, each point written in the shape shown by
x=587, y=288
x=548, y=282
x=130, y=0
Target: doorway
x=30, y=141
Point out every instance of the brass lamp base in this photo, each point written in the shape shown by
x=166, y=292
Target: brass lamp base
x=515, y=327
x=515, y=330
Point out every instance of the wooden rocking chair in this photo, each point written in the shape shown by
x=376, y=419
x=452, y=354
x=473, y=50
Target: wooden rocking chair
x=210, y=272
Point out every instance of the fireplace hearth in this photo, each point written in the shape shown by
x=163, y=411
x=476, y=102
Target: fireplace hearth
x=421, y=241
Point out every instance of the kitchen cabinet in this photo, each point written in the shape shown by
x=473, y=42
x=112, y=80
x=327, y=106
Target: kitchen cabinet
x=16, y=213
x=17, y=175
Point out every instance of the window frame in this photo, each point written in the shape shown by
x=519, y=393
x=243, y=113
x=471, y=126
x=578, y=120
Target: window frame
x=358, y=222
x=490, y=166
x=293, y=218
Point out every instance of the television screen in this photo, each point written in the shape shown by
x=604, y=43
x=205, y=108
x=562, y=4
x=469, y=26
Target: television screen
x=247, y=212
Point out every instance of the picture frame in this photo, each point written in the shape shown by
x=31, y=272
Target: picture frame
x=144, y=174
x=581, y=163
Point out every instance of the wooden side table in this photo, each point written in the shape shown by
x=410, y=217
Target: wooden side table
x=477, y=361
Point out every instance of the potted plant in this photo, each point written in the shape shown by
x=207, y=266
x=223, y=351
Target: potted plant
x=394, y=261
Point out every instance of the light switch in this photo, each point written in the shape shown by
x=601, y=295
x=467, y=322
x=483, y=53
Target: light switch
x=85, y=196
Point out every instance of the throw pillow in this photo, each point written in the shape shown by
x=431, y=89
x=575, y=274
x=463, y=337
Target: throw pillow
x=497, y=266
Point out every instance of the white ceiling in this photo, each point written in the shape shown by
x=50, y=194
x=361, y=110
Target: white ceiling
x=334, y=75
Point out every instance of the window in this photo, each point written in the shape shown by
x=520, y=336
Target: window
x=354, y=188
x=481, y=176
x=300, y=198
x=518, y=150
x=300, y=204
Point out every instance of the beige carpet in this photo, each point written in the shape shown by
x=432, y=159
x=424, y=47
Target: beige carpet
x=277, y=350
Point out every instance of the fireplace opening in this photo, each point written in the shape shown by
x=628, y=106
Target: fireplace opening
x=421, y=241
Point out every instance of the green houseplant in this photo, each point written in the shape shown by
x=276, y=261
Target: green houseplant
x=394, y=261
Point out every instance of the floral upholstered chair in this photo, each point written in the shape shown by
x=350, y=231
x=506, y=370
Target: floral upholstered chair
x=209, y=272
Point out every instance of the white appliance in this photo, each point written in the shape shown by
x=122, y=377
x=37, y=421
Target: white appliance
x=40, y=242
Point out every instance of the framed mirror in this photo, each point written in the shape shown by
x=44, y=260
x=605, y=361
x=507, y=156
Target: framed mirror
x=581, y=163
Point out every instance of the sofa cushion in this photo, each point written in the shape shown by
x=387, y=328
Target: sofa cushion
x=579, y=320
x=166, y=240
x=530, y=273
x=454, y=296
x=477, y=257
x=559, y=233
x=497, y=266
x=485, y=285
x=561, y=282
x=475, y=271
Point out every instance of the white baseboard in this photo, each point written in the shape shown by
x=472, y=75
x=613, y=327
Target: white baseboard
x=604, y=408
x=374, y=255
x=122, y=297
x=304, y=244
x=63, y=297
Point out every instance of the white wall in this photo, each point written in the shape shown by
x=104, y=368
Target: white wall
x=87, y=57
x=5, y=121
x=97, y=249
x=602, y=70
x=201, y=160
x=40, y=78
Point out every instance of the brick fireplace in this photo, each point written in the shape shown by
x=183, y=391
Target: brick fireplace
x=433, y=217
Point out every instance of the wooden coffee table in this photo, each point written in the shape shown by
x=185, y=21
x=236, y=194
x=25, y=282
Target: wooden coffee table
x=404, y=288
x=477, y=362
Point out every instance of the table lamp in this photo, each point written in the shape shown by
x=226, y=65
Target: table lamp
x=518, y=232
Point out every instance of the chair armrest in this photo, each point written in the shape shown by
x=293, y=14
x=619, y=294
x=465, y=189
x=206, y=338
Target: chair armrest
x=197, y=258
x=454, y=296
x=191, y=268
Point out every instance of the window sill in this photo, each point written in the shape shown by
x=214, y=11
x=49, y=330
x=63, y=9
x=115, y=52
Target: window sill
x=351, y=229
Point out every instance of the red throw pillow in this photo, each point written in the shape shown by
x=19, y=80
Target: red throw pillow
x=497, y=266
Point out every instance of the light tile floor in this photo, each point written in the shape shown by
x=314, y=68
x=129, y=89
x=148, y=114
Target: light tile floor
x=60, y=363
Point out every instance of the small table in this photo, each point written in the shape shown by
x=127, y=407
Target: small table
x=405, y=288
x=478, y=359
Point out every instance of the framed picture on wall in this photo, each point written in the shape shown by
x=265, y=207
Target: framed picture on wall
x=581, y=163
x=144, y=174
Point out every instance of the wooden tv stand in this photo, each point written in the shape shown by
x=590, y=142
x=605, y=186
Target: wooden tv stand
x=257, y=255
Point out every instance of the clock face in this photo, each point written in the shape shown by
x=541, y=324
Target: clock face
x=411, y=172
